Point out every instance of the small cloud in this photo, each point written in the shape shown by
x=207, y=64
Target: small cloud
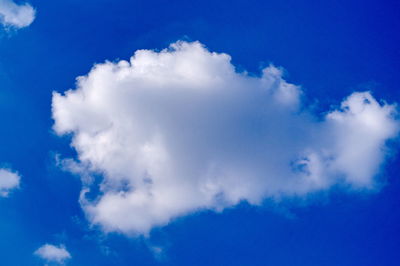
x=9, y=180
x=51, y=253
x=16, y=16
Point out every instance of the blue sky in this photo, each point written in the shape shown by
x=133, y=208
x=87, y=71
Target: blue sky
x=329, y=49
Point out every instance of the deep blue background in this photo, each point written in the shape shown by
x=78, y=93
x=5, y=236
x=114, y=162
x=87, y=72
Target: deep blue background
x=331, y=48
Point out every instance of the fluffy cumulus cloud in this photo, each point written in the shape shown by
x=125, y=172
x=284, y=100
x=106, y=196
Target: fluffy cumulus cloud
x=9, y=180
x=51, y=253
x=177, y=131
x=16, y=15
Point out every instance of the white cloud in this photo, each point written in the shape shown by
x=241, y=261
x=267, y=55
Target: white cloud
x=9, y=180
x=52, y=253
x=14, y=15
x=178, y=131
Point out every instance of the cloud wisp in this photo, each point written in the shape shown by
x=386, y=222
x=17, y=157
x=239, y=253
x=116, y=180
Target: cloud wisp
x=180, y=130
x=16, y=16
x=52, y=253
x=9, y=180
